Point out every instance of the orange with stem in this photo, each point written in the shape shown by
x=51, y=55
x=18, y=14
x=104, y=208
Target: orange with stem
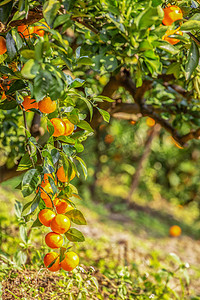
x=60, y=224
x=70, y=261
x=54, y=240
x=45, y=216
x=49, y=259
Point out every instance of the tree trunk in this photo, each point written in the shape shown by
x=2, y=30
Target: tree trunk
x=147, y=150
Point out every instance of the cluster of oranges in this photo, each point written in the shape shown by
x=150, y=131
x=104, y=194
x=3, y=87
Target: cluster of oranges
x=172, y=13
x=28, y=31
x=53, y=216
x=25, y=31
x=47, y=106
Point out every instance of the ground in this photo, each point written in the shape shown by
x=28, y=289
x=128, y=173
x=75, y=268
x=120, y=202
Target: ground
x=117, y=241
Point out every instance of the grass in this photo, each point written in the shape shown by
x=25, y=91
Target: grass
x=129, y=249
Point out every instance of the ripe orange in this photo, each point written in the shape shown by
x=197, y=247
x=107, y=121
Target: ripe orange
x=47, y=106
x=150, y=122
x=48, y=202
x=3, y=47
x=132, y=122
x=59, y=127
x=64, y=178
x=46, y=216
x=69, y=127
x=39, y=29
x=109, y=139
x=25, y=31
x=29, y=103
x=46, y=177
x=54, y=240
x=175, y=231
x=171, y=14
x=60, y=224
x=172, y=41
x=62, y=207
x=70, y=261
x=45, y=190
x=49, y=258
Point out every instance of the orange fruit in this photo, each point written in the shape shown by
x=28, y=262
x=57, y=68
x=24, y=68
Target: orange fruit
x=175, y=231
x=46, y=216
x=150, y=122
x=39, y=29
x=109, y=139
x=172, y=41
x=45, y=189
x=64, y=178
x=48, y=202
x=54, y=240
x=60, y=224
x=3, y=47
x=49, y=258
x=59, y=127
x=70, y=261
x=25, y=31
x=29, y=103
x=69, y=127
x=47, y=106
x=46, y=177
x=171, y=14
x=62, y=207
x=132, y=122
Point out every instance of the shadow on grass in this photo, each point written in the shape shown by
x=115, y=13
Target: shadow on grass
x=142, y=220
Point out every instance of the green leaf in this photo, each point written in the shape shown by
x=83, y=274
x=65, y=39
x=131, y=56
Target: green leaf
x=5, y=2
x=168, y=48
x=150, y=16
x=8, y=104
x=74, y=235
x=83, y=165
x=175, y=69
x=62, y=19
x=77, y=83
x=30, y=182
x=110, y=62
x=76, y=217
x=62, y=253
x=190, y=25
x=16, y=86
x=6, y=70
x=104, y=98
x=25, y=163
x=23, y=233
x=105, y=114
x=66, y=139
x=10, y=44
x=84, y=60
x=30, y=69
x=28, y=54
x=192, y=61
x=50, y=10
x=85, y=125
x=36, y=223
x=17, y=38
x=89, y=105
x=5, y=11
x=42, y=84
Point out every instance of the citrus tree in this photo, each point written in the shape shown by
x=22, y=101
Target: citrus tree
x=67, y=65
